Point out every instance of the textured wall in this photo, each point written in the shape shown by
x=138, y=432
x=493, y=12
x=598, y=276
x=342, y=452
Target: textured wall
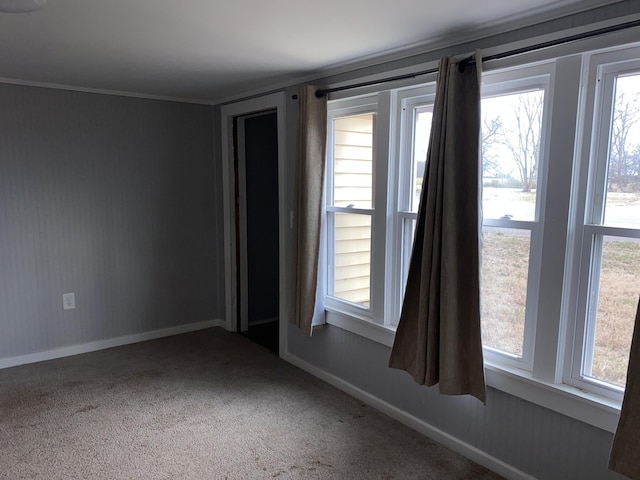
x=113, y=198
x=533, y=439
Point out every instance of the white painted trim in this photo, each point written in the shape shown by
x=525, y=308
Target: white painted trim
x=284, y=274
x=275, y=101
x=104, y=91
x=108, y=343
x=587, y=407
x=472, y=453
x=242, y=221
x=567, y=400
x=361, y=326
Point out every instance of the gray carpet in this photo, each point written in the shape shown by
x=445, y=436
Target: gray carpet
x=203, y=405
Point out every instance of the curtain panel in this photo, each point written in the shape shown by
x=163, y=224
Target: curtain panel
x=438, y=336
x=307, y=308
x=625, y=453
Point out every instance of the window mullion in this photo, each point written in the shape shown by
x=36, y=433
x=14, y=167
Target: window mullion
x=395, y=190
x=379, y=224
x=559, y=128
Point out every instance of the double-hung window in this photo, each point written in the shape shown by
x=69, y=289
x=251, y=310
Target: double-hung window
x=607, y=244
x=514, y=153
x=560, y=273
x=351, y=204
x=414, y=112
x=372, y=200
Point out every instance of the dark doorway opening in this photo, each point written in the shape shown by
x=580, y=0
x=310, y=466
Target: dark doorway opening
x=257, y=220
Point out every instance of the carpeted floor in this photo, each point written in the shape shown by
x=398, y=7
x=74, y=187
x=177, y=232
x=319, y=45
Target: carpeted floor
x=204, y=405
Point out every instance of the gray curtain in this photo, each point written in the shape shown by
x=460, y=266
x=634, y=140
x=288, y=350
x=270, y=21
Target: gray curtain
x=625, y=454
x=310, y=171
x=438, y=336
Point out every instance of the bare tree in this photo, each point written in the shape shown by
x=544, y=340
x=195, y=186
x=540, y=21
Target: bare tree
x=624, y=158
x=522, y=137
x=491, y=134
x=635, y=166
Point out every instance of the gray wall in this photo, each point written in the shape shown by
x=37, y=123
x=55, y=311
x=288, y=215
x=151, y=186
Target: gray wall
x=535, y=440
x=531, y=438
x=114, y=198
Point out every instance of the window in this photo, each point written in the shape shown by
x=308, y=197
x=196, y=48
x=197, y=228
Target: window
x=414, y=110
x=561, y=214
x=513, y=149
x=609, y=235
x=372, y=201
x=355, y=224
x=351, y=208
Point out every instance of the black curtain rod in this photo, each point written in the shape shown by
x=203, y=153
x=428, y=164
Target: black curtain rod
x=518, y=51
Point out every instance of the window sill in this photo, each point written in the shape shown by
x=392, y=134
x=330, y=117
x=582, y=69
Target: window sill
x=586, y=407
x=361, y=326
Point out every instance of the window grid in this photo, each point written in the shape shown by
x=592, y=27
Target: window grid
x=602, y=337
x=561, y=257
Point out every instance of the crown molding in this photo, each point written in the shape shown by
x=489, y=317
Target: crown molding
x=532, y=17
x=103, y=91
x=516, y=22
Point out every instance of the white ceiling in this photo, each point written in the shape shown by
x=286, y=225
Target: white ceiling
x=213, y=49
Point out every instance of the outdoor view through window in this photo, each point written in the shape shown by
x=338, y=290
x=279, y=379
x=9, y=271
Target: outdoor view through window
x=353, y=189
x=376, y=163
x=511, y=135
x=615, y=274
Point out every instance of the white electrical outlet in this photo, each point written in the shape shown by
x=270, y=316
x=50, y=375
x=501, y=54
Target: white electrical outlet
x=68, y=301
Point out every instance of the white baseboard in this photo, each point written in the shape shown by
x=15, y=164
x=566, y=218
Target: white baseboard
x=108, y=343
x=455, y=444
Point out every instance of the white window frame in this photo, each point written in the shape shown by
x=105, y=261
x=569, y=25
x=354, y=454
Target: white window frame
x=599, y=76
x=562, y=185
x=407, y=100
x=517, y=80
x=378, y=105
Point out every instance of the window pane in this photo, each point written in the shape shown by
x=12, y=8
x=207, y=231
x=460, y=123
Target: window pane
x=511, y=126
x=617, y=302
x=422, y=131
x=352, y=262
x=353, y=161
x=622, y=207
x=408, y=231
x=505, y=268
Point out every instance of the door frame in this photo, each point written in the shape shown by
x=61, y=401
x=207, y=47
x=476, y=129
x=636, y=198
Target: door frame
x=277, y=102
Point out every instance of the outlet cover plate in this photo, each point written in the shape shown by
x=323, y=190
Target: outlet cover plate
x=68, y=301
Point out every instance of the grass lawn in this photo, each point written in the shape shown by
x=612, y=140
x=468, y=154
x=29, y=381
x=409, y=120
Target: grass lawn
x=617, y=302
x=504, y=280
x=505, y=265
